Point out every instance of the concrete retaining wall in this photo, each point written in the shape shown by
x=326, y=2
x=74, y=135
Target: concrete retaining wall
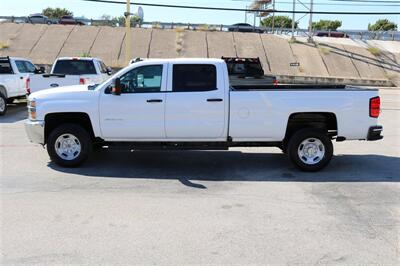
x=26, y=40
x=328, y=57
x=107, y=45
x=48, y=48
x=163, y=44
x=79, y=41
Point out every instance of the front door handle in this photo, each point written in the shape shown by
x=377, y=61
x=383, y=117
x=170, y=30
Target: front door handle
x=154, y=101
x=214, y=100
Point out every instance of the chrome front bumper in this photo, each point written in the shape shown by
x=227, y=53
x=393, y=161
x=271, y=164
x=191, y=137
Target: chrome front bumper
x=35, y=131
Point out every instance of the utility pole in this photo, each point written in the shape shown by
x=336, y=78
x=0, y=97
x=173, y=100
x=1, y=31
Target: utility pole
x=310, y=30
x=128, y=32
x=293, y=18
x=273, y=16
x=245, y=14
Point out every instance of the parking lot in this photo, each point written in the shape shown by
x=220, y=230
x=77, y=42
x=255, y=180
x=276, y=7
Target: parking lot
x=245, y=206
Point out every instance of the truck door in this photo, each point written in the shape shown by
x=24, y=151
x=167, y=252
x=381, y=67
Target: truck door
x=138, y=113
x=195, y=104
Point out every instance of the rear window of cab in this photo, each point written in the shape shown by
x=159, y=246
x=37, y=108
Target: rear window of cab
x=75, y=67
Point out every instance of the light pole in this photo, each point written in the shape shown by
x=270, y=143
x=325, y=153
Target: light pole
x=293, y=18
x=273, y=16
x=310, y=39
x=128, y=32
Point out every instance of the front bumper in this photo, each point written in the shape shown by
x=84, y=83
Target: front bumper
x=374, y=133
x=35, y=131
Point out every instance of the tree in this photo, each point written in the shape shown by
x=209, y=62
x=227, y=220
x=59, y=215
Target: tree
x=279, y=22
x=121, y=20
x=327, y=24
x=382, y=25
x=56, y=12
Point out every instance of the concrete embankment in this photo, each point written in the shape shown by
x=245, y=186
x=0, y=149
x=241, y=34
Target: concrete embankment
x=326, y=59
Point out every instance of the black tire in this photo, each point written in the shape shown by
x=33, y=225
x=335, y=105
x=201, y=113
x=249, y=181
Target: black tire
x=314, y=135
x=80, y=134
x=3, y=104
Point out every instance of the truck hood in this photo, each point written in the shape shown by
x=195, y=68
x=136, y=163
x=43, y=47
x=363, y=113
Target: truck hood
x=67, y=92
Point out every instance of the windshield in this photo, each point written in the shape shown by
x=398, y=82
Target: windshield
x=74, y=67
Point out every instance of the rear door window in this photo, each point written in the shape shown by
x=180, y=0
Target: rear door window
x=190, y=78
x=75, y=67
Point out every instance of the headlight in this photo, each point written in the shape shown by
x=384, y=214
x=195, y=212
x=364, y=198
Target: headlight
x=32, y=109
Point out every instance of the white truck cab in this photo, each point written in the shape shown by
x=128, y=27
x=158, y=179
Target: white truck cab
x=68, y=71
x=14, y=73
x=189, y=104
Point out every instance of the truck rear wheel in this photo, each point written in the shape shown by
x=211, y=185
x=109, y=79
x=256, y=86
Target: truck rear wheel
x=310, y=149
x=3, y=104
x=69, y=145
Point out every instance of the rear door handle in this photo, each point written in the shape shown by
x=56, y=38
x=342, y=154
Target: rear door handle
x=214, y=100
x=154, y=101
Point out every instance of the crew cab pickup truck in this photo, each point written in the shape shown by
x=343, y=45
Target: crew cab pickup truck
x=189, y=104
x=14, y=73
x=70, y=71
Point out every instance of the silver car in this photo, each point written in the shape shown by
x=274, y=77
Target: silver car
x=39, y=19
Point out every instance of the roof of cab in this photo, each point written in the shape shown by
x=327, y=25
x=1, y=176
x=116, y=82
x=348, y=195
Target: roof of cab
x=78, y=58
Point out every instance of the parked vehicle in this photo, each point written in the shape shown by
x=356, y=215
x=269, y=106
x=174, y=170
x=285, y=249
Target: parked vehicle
x=70, y=71
x=243, y=71
x=14, y=73
x=334, y=34
x=70, y=20
x=244, y=27
x=189, y=104
x=39, y=19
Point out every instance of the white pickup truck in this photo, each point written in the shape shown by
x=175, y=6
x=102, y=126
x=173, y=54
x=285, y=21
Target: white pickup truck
x=68, y=71
x=14, y=73
x=189, y=104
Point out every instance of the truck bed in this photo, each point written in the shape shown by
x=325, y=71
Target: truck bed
x=307, y=87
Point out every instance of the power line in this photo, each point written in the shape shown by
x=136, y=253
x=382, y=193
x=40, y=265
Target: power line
x=250, y=10
x=329, y=4
x=367, y=1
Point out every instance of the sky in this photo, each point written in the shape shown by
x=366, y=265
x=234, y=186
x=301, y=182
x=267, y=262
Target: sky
x=95, y=10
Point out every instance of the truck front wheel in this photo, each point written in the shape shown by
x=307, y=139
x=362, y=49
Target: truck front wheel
x=69, y=145
x=310, y=149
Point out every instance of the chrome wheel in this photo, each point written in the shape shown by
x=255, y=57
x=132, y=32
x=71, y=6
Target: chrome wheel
x=311, y=151
x=2, y=104
x=67, y=147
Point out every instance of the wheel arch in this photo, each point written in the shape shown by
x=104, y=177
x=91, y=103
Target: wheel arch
x=3, y=90
x=324, y=121
x=53, y=120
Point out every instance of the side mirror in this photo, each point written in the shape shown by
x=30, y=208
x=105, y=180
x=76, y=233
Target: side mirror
x=116, y=90
x=40, y=70
x=109, y=71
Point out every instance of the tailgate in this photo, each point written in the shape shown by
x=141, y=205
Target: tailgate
x=46, y=81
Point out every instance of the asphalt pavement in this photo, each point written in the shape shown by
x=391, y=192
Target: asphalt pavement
x=245, y=206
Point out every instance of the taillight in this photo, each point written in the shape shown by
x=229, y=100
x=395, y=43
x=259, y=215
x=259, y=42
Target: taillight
x=276, y=82
x=82, y=81
x=374, y=107
x=28, y=86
